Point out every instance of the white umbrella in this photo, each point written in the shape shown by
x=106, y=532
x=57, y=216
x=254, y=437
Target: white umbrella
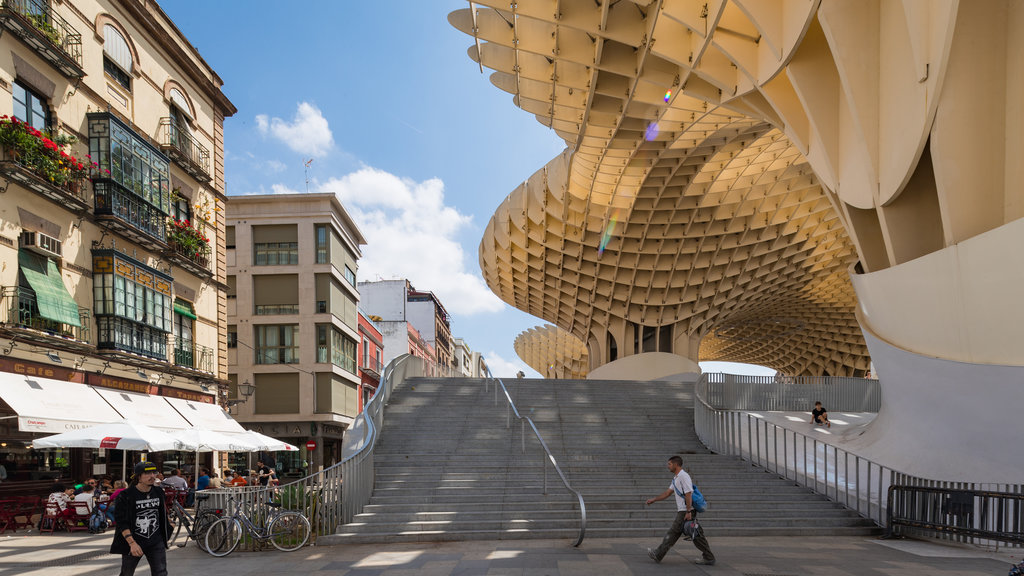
x=115, y=436
x=263, y=443
x=208, y=441
x=122, y=436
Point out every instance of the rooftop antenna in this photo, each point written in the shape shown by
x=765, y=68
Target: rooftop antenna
x=306, y=164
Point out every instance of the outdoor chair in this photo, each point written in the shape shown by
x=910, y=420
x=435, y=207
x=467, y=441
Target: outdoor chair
x=28, y=506
x=8, y=510
x=80, y=520
x=52, y=518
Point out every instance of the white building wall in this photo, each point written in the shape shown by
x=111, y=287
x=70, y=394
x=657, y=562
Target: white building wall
x=386, y=299
x=423, y=317
x=395, y=335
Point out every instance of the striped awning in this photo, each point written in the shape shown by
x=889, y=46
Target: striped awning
x=184, y=308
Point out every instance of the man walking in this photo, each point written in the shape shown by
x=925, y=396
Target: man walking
x=686, y=516
x=142, y=527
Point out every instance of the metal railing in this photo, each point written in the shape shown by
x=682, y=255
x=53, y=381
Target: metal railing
x=273, y=309
x=994, y=516
x=18, y=309
x=191, y=355
x=183, y=147
x=524, y=420
x=42, y=18
x=112, y=200
x=842, y=476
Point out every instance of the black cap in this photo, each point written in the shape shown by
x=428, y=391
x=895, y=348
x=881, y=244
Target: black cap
x=143, y=467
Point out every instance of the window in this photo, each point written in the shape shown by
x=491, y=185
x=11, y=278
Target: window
x=322, y=244
x=232, y=336
x=276, y=253
x=366, y=352
x=180, y=209
x=350, y=275
x=229, y=237
x=277, y=344
x=117, y=57
x=30, y=107
x=335, y=347
x=184, y=318
x=133, y=305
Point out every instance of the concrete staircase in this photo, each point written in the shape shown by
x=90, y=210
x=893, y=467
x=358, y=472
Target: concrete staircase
x=448, y=469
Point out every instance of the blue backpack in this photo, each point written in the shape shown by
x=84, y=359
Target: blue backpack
x=97, y=521
x=696, y=499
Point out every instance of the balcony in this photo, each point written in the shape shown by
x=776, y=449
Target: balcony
x=69, y=194
x=133, y=196
x=39, y=26
x=188, y=354
x=185, y=150
x=188, y=259
x=20, y=318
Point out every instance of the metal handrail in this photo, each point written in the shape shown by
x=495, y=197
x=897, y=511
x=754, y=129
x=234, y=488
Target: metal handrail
x=997, y=516
x=847, y=478
x=523, y=420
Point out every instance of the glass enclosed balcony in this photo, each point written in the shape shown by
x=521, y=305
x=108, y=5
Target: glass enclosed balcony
x=133, y=190
x=21, y=308
x=39, y=26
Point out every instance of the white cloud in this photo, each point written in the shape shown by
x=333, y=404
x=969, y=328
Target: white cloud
x=501, y=368
x=282, y=189
x=411, y=233
x=308, y=133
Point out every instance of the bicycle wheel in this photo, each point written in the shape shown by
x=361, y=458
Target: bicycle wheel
x=223, y=537
x=201, y=526
x=174, y=517
x=289, y=531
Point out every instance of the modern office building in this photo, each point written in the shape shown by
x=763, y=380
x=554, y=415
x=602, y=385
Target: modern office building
x=398, y=301
x=293, y=321
x=812, y=186
x=111, y=229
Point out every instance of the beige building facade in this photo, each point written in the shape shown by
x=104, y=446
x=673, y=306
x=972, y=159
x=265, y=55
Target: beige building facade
x=111, y=219
x=293, y=321
x=809, y=186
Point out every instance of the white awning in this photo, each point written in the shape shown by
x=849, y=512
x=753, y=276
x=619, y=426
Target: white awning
x=47, y=405
x=153, y=411
x=206, y=416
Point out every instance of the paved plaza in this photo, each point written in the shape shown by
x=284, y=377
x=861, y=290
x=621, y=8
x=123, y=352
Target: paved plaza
x=764, y=556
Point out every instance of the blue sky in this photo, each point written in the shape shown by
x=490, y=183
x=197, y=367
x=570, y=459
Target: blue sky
x=397, y=120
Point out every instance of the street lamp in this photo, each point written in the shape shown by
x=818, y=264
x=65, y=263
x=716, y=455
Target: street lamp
x=246, y=390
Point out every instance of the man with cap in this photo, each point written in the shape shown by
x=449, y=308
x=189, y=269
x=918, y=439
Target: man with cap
x=142, y=526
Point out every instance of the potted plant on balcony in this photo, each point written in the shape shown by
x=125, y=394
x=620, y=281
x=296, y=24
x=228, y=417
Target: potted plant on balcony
x=43, y=154
x=189, y=240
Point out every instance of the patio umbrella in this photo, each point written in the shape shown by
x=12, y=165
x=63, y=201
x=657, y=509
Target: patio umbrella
x=122, y=436
x=209, y=441
x=263, y=443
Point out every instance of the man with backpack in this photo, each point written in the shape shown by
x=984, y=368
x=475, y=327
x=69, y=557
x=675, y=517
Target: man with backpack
x=686, y=515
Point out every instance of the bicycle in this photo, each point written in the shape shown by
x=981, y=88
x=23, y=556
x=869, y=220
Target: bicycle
x=195, y=526
x=287, y=530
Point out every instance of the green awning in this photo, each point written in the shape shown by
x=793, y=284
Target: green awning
x=184, y=308
x=52, y=297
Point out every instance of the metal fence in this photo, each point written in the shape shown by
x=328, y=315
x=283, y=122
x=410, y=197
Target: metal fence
x=994, y=516
x=324, y=497
x=858, y=483
x=524, y=420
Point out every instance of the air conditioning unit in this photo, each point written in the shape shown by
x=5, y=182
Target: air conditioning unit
x=41, y=244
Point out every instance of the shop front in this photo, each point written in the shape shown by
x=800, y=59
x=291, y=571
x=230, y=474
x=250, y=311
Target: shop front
x=319, y=445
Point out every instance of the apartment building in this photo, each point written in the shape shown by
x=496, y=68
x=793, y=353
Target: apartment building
x=371, y=358
x=293, y=321
x=112, y=284
x=398, y=301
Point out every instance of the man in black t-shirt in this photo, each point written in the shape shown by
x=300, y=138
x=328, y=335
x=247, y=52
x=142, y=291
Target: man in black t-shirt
x=819, y=415
x=142, y=527
x=263, y=472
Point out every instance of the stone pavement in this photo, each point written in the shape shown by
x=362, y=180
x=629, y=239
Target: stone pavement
x=39, y=555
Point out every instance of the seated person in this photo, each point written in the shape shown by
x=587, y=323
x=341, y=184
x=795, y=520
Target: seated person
x=819, y=415
x=238, y=480
x=203, y=482
x=175, y=481
x=88, y=496
x=61, y=495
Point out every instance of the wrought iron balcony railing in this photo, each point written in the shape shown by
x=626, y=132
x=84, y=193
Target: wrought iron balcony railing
x=128, y=213
x=38, y=25
x=188, y=354
x=184, y=149
x=198, y=264
x=271, y=309
x=18, y=309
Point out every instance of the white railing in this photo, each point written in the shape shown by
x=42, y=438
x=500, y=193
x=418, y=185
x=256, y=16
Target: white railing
x=859, y=483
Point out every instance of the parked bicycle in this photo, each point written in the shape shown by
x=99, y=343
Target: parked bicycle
x=287, y=530
x=195, y=526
